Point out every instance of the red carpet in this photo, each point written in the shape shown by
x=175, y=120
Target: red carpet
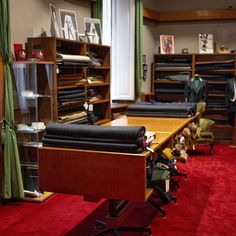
x=206, y=205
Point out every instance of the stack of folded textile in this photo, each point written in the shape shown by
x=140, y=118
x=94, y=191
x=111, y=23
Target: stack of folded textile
x=67, y=59
x=95, y=60
x=107, y=138
x=162, y=109
x=69, y=79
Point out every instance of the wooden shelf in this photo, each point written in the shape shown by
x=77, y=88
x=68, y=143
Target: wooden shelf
x=168, y=90
x=77, y=85
x=100, y=101
x=97, y=84
x=216, y=82
x=39, y=199
x=100, y=122
x=190, y=15
x=166, y=81
x=51, y=45
x=99, y=67
x=215, y=95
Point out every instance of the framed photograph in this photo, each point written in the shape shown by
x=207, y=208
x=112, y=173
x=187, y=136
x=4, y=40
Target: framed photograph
x=55, y=29
x=167, y=44
x=68, y=24
x=92, y=28
x=206, y=44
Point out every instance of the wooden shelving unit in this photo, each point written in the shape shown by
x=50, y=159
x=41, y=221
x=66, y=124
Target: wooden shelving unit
x=209, y=67
x=100, y=105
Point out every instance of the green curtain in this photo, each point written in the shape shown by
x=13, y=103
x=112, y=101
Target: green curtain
x=97, y=10
x=138, y=48
x=12, y=178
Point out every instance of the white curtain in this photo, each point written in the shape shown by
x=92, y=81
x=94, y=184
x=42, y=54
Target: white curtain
x=122, y=53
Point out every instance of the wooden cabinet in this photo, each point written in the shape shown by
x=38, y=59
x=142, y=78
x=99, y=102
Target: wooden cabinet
x=91, y=80
x=98, y=81
x=171, y=71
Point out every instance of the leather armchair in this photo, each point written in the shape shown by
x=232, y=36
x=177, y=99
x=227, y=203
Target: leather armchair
x=207, y=136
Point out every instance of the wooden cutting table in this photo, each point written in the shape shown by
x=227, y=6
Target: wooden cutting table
x=101, y=174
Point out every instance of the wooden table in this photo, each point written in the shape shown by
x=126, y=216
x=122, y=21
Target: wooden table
x=119, y=177
x=101, y=174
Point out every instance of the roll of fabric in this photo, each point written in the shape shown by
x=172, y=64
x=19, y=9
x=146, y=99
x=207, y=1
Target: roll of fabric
x=97, y=132
x=102, y=146
x=67, y=57
x=138, y=141
x=162, y=109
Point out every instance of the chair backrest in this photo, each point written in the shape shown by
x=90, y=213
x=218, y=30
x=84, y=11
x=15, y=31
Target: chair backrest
x=206, y=124
x=201, y=107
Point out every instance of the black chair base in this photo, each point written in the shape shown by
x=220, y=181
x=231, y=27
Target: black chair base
x=159, y=208
x=116, y=231
x=115, y=209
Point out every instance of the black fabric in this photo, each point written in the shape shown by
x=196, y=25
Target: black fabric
x=70, y=91
x=159, y=109
x=71, y=96
x=91, y=137
x=103, y=146
x=96, y=132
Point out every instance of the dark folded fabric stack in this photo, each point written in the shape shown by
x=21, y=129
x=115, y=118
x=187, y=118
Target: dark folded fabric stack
x=174, y=76
x=159, y=109
x=173, y=64
x=210, y=65
x=94, y=94
x=71, y=94
x=107, y=138
x=95, y=59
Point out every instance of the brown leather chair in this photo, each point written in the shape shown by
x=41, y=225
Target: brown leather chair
x=207, y=136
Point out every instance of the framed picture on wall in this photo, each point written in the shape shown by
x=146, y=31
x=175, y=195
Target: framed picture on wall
x=167, y=44
x=92, y=28
x=68, y=24
x=55, y=29
x=206, y=44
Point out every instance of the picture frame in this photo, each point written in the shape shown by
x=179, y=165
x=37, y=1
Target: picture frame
x=68, y=23
x=55, y=28
x=167, y=44
x=206, y=43
x=92, y=28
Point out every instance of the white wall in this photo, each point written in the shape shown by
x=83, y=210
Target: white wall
x=149, y=48
x=31, y=18
x=186, y=33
